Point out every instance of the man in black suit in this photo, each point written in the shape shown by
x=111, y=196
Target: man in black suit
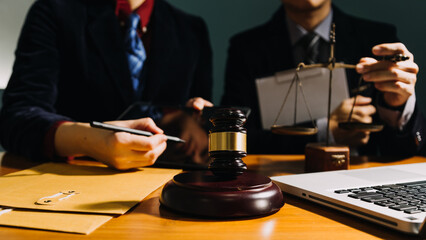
x=278, y=45
x=71, y=68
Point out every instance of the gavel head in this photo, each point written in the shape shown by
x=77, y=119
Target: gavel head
x=227, y=142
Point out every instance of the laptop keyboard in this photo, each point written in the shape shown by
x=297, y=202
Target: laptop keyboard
x=409, y=197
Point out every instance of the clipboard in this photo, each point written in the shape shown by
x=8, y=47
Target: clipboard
x=272, y=90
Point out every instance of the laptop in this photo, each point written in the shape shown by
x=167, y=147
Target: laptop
x=393, y=196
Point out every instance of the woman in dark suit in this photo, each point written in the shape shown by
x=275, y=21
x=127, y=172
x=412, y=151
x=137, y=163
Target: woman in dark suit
x=71, y=68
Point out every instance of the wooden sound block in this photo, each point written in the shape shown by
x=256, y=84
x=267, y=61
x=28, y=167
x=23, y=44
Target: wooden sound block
x=201, y=193
x=320, y=157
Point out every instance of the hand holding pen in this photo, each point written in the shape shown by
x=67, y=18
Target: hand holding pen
x=394, y=74
x=122, y=150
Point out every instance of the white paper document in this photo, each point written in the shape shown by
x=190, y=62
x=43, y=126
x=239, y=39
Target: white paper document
x=273, y=89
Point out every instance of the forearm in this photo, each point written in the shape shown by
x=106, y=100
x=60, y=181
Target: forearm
x=23, y=130
x=73, y=139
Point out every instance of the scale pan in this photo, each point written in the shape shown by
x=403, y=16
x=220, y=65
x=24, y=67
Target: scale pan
x=293, y=130
x=363, y=127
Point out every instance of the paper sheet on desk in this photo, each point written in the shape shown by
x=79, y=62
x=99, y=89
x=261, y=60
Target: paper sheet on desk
x=101, y=192
x=272, y=91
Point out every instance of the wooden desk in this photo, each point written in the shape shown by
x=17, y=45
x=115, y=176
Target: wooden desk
x=298, y=219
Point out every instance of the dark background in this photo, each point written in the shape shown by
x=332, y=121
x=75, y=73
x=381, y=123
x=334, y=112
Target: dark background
x=225, y=18
x=228, y=17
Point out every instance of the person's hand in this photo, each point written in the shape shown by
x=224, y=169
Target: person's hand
x=197, y=141
x=395, y=79
x=198, y=103
x=188, y=128
x=119, y=150
x=362, y=112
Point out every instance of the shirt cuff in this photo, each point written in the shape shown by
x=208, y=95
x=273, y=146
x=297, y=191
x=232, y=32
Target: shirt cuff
x=49, y=144
x=395, y=118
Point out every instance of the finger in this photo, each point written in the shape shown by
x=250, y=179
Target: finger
x=140, y=143
x=364, y=62
x=392, y=74
x=370, y=66
x=363, y=111
x=342, y=111
x=390, y=49
x=362, y=119
x=136, y=159
x=190, y=102
x=397, y=87
x=367, y=60
x=208, y=103
x=200, y=103
x=361, y=100
x=147, y=124
x=141, y=159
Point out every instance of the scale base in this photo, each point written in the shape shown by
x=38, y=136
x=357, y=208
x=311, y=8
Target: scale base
x=320, y=157
x=203, y=194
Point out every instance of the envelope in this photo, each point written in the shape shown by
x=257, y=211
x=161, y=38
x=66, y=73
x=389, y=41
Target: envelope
x=96, y=189
x=54, y=221
x=73, y=198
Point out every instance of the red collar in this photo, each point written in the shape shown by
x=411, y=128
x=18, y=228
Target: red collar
x=122, y=10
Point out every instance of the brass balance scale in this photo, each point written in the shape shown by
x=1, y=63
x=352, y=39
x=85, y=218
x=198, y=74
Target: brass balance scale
x=330, y=65
x=326, y=156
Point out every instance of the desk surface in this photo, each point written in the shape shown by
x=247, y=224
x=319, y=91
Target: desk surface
x=298, y=219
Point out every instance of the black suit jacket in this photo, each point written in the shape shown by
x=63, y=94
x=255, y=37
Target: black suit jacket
x=266, y=49
x=71, y=65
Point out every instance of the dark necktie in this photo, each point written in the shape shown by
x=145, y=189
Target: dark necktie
x=135, y=50
x=310, y=45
